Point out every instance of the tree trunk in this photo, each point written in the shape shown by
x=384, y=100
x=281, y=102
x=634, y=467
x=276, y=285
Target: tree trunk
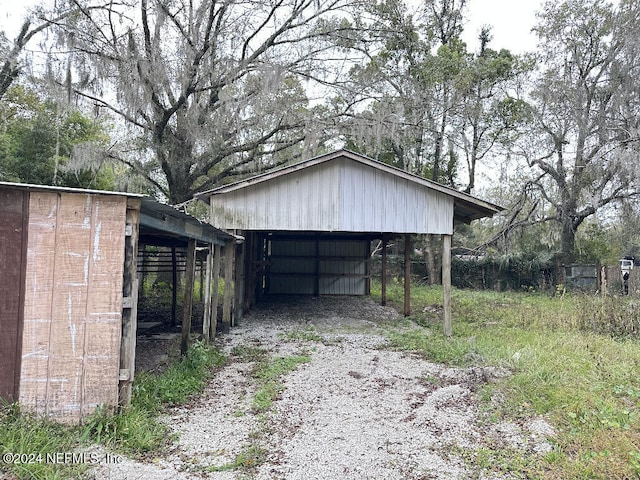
x=430, y=259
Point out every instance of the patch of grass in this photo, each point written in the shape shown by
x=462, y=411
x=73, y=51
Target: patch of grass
x=582, y=379
x=33, y=438
x=249, y=353
x=135, y=430
x=307, y=334
x=269, y=373
x=252, y=456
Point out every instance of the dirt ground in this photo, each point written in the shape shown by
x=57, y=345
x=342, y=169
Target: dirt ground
x=357, y=410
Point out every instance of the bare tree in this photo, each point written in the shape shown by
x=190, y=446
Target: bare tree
x=11, y=51
x=211, y=88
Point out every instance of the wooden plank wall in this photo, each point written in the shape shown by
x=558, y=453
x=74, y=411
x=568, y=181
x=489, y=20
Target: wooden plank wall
x=73, y=303
x=13, y=238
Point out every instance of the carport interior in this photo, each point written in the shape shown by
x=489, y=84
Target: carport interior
x=306, y=263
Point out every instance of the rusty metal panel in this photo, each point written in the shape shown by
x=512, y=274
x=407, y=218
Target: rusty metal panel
x=13, y=233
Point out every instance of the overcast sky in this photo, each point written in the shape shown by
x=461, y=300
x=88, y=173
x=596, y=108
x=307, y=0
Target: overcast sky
x=512, y=21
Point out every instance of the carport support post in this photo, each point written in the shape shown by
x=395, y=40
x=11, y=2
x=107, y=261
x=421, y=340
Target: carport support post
x=407, y=275
x=228, y=284
x=216, y=282
x=384, y=270
x=446, y=284
x=206, y=320
x=187, y=300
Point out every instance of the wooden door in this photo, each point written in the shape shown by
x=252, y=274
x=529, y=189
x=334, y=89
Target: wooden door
x=13, y=242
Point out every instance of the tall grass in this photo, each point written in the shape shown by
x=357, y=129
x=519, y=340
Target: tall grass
x=134, y=431
x=574, y=359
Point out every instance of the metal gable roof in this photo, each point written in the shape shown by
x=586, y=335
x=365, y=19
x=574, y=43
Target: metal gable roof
x=466, y=207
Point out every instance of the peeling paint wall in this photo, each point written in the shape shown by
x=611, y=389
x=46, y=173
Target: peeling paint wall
x=73, y=303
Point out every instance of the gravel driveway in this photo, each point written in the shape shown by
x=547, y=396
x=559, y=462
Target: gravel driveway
x=356, y=410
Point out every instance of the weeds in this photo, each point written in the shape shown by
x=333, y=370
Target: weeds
x=573, y=359
x=268, y=374
x=135, y=430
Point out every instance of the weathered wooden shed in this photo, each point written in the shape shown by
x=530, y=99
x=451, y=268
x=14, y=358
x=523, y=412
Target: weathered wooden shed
x=308, y=226
x=69, y=290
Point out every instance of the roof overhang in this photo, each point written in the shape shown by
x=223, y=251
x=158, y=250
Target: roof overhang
x=174, y=226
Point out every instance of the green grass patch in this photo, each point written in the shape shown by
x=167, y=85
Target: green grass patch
x=269, y=373
x=574, y=359
x=134, y=431
x=306, y=334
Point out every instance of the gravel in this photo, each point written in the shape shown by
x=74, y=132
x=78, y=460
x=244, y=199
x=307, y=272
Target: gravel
x=357, y=410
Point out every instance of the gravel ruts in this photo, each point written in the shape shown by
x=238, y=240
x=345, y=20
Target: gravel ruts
x=356, y=411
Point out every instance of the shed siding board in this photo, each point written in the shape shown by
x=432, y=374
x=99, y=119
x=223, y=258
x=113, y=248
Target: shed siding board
x=342, y=195
x=12, y=238
x=73, y=303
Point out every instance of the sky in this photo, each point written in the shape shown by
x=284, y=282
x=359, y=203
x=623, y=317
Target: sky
x=512, y=21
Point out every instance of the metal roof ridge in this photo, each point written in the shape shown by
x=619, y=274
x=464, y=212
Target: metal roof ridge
x=358, y=157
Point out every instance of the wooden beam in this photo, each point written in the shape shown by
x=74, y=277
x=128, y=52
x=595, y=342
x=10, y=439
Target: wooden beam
x=187, y=299
x=216, y=282
x=174, y=285
x=206, y=320
x=446, y=284
x=130, y=312
x=384, y=270
x=407, y=275
x=228, y=285
x=238, y=285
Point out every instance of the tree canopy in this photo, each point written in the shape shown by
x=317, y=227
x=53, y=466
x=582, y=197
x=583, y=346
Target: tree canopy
x=198, y=93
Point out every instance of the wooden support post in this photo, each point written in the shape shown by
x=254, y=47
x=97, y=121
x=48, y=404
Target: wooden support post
x=238, y=285
x=446, y=284
x=174, y=285
x=368, y=264
x=407, y=275
x=228, y=285
x=130, y=304
x=187, y=299
x=316, y=268
x=384, y=271
x=206, y=320
x=216, y=282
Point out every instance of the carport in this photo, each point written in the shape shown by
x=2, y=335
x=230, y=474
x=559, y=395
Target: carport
x=308, y=226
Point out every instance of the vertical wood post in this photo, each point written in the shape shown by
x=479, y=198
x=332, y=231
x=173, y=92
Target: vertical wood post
x=407, y=275
x=368, y=264
x=228, y=285
x=206, y=320
x=446, y=284
x=187, y=299
x=316, y=268
x=384, y=270
x=174, y=286
x=216, y=282
x=238, y=283
x=129, y=303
